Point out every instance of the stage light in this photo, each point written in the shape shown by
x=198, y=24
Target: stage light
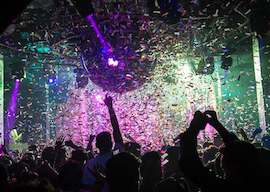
x=51, y=80
x=17, y=80
x=13, y=106
x=112, y=62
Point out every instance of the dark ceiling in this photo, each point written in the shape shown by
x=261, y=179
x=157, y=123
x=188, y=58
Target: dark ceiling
x=55, y=32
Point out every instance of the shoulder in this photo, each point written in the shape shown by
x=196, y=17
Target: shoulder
x=91, y=162
x=118, y=147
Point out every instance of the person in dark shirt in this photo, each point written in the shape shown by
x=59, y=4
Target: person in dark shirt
x=240, y=159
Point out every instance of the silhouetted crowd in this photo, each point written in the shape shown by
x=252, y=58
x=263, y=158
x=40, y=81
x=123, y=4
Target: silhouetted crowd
x=226, y=163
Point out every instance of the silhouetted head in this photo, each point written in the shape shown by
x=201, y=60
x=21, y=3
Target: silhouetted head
x=16, y=169
x=209, y=154
x=151, y=166
x=80, y=155
x=70, y=176
x=241, y=162
x=29, y=178
x=134, y=148
x=218, y=140
x=171, y=185
x=122, y=172
x=170, y=161
x=47, y=155
x=104, y=142
x=60, y=159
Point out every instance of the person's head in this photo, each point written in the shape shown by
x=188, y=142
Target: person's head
x=104, y=142
x=29, y=159
x=16, y=169
x=218, y=140
x=209, y=154
x=47, y=155
x=80, y=155
x=240, y=162
x=33, y=148
x=122, y=172
x=29, y=178
x=170, y=161
x=134, y=148
x=5, y=160
x=151, y=166
x=171, y=185
x=70, y=176
x=61, y=158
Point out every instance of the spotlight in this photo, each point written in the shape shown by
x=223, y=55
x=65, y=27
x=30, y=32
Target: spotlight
x=51, y=80
x=17, y=80
x=113, y=63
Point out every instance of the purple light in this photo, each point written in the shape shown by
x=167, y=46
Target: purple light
x=12, y=106
x=113, y=63
x=90, y=18
x=17, y=80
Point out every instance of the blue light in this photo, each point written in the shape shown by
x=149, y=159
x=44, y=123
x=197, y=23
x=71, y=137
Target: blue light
x=51, y=80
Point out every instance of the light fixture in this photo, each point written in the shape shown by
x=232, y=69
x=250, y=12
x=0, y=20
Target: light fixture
x=51, y=80
x=112, y=62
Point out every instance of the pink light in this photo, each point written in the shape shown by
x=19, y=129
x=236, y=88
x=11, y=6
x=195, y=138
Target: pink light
x=113, y=63
x=17, y=80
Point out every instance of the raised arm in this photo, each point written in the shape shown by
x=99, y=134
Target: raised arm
x=190, y=162
x=225, y=134
x=116, y=131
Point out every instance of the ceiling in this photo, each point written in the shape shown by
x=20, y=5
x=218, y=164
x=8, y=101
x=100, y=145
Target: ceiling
x=54, y=32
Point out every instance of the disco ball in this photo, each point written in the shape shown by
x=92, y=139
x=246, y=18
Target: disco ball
x=118, y=55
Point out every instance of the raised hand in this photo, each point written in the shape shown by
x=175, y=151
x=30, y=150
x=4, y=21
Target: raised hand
x=199, y=121
x=211, y=117
x=59, y=143
x=225, y=134
x=69, y=143
x=108, y=101
x=91, y=138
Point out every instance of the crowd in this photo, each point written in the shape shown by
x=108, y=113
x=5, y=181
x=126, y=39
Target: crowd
x=227, y=164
